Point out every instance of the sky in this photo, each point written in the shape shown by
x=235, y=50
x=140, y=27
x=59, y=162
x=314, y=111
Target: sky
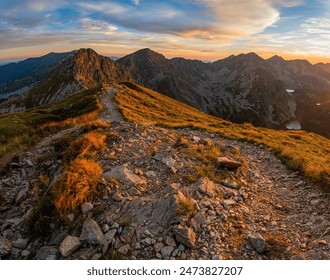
x=196, y=29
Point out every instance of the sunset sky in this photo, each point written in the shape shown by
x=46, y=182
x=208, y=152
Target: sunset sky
x=201, y=29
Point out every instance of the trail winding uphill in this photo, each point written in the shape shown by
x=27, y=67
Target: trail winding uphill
x=149, y=206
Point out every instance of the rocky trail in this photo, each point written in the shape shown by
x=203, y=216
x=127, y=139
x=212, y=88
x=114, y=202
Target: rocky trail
x=150, y=207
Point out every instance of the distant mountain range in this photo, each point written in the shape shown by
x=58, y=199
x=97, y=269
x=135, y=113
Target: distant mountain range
x=242, y=88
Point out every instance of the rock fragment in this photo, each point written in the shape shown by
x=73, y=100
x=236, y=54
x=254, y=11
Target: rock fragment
x=69, y=245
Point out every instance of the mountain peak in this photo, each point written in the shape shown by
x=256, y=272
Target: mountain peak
x=148, y=53
x=276, y=58
x=251, y=56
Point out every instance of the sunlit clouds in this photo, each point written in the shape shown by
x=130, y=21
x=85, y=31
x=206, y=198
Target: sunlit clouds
x=203, y=29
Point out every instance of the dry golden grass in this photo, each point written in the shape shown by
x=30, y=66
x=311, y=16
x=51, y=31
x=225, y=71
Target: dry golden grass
x=78, y=185
x=18, y=131
x=82, y=120
x=186, y=206
x=86, y=145
x=207, y=156
x=299, y=150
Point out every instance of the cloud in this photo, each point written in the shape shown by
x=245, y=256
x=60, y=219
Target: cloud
x=200, y=19
x=289, y=3
x=207, y=26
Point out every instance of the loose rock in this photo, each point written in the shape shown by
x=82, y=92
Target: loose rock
x=91, y=233
x=258, y=242
x=69, y=245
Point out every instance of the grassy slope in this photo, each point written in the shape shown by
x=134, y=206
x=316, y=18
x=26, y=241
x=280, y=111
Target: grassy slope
x=19, y=130
x=299, y=150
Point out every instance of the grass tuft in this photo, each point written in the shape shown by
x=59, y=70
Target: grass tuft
x=78, y=185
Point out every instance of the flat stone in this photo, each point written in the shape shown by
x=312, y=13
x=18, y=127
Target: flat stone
x=29, y=163
x=47, y=253
x=124, y=250
x=229, y=192
x=158, y=246
x=25, y=254
x=228, y=163
x=91, y=233
x=170, y=241
x=124, y=174
x=57, y=237
x=22, y=194
x=228, y=202
x=151, y=174
x=167, y=159
x=198, y=220
x=258, y=242
x=175, y=252
x=166, y=252
x=202, y=186
x=20, y=243
x=185, y=235
x=69, y=245
x=5, y=247
x=105, y=228
x=86, y=207
x=230, y=184
x=110, y=234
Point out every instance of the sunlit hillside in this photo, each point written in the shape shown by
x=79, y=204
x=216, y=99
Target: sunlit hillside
x=299, y=150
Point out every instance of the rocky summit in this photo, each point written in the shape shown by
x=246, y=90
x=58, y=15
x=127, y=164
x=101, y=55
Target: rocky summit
x=142, y=191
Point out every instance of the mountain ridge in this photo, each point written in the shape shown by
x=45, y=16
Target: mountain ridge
x=242, y=88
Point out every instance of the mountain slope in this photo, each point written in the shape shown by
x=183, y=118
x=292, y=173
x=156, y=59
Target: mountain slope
x=243, y=88
x=140, y=104
x=85, y=69
x=16, y=77
x=324, y=66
